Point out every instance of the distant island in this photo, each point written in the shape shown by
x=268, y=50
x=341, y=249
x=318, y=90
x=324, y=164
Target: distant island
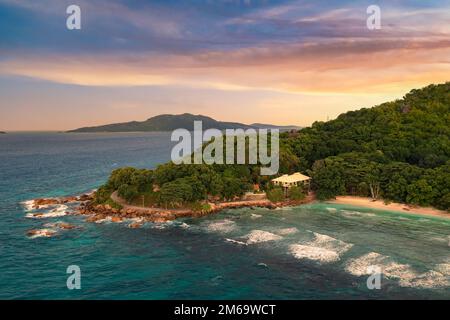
x=2, y=132
x=170, y=122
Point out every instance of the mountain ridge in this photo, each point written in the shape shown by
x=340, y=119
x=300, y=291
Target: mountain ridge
x=170, y=122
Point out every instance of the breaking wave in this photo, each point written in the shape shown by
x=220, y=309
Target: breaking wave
x=349, y=213
x=28, y=205
x=59, y=211
x=41, y=233
x=407, y=276
x=224, y=226
x=235, y=241
x=258, y=236
x=323, y=249
x=287, y=231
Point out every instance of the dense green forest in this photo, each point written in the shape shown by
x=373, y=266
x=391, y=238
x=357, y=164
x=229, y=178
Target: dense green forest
x=398, y=151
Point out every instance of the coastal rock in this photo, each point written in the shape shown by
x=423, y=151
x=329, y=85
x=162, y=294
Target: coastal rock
x=41, y=233
x=135, y=225
x=95, y=218
x=45, y=202
x=123, y=212
x=60, y=225
x=85, y=197
x=116, y=219
x=37, y=215
x=70, y=199
x=65, y=226
x=160, y=219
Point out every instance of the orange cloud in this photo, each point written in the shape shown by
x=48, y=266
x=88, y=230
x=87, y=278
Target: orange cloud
x=337, y=67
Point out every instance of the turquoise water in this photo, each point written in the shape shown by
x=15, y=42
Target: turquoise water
x=318, y=251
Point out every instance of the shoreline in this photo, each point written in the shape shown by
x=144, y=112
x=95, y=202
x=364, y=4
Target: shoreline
x=157, y=214
x=95, y=213
x=393, y=206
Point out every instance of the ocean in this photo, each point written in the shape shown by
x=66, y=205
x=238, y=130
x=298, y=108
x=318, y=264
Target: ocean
x=316, y=251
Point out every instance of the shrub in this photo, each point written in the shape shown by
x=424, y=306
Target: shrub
x=200, y=207
x=296, y=193
x=176, y=193
x=276, y=194
x=128, y=192
x=102, y=195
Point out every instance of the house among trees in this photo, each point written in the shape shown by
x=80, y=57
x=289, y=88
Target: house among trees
x=294, y=180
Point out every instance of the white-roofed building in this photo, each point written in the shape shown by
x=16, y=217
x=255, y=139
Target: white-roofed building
x=294, y=180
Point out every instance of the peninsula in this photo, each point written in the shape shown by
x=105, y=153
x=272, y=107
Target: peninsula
x=382, y=152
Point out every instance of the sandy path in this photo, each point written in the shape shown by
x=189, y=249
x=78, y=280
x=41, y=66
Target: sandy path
x=115, y=197
x=215, y=207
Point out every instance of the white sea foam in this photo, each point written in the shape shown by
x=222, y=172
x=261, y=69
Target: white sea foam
x=287, y=231
x=56, y=224
x=349, y=213
x=255, y=216
x=262, y=264
x=184, y=225
x=43, y=233
x=313, y=253
x=283, y=208
x=28, y=205
x=428, y=280
x=105, y=220
x=235, y=241
x=331, y=209
x=162, y=225
x=407, y=276
x=390, y=268
x=223, y=226
x=258, y=236
x=323, y=249
x=444, y=267
x=59, y=211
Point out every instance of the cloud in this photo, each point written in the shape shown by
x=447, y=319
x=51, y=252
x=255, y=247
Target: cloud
x=337, y=66
x=291, y=46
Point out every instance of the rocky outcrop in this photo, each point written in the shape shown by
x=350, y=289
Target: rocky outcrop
x=41, y=233
x=43, y=202
x=135, y=225
x=96, y=213
x=65, y=226
x=116, y=219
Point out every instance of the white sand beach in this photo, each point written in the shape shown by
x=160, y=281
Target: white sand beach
x=380, y=204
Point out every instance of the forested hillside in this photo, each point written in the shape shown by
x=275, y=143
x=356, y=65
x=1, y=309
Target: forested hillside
x=399, y=150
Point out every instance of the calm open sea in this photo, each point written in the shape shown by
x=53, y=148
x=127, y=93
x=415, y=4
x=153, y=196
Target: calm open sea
x=318, y=251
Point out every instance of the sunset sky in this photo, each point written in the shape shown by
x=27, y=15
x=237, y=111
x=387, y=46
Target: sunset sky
x=281, y=62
